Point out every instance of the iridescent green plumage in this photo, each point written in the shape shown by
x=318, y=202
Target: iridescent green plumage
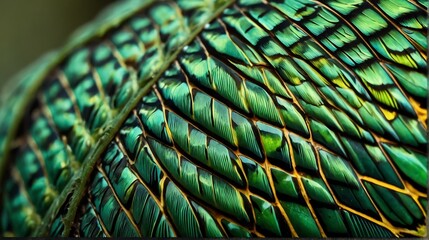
x=223, y=118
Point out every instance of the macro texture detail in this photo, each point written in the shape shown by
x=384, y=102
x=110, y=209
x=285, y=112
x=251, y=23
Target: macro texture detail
x=293, y=118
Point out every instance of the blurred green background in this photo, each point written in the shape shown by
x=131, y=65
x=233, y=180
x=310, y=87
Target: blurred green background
x=29, y=28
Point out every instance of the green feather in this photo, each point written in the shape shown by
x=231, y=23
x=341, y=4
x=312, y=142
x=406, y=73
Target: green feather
x=223, y=118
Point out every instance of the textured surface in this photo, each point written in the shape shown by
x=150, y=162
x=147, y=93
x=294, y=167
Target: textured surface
x=248, y=118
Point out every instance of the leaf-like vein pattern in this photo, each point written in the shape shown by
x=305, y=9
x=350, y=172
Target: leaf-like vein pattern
x=279, y=118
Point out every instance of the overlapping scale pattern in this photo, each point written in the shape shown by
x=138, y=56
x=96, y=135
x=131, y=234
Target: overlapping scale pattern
x=249, y=118
x=80, y=97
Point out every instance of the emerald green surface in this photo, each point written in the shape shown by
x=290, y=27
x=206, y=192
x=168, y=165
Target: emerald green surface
x=223, y=119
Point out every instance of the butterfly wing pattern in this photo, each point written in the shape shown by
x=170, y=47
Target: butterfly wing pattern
x=293, y=118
